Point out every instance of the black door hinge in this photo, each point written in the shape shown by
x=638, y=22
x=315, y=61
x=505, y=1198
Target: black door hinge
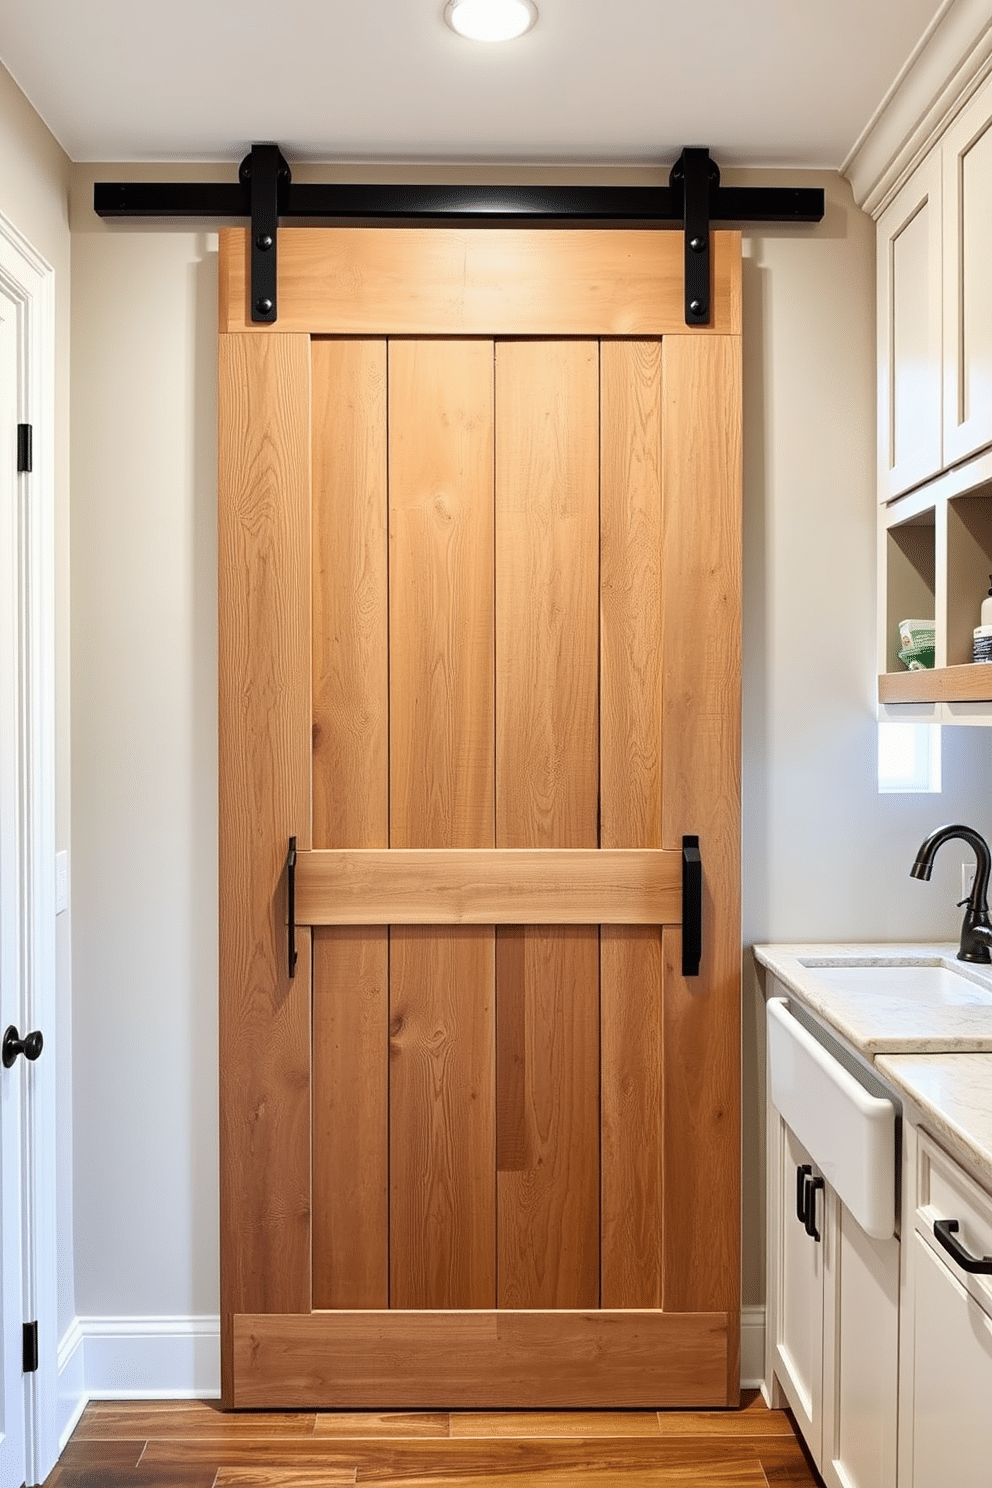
x=24, y=449
x=30, y=1349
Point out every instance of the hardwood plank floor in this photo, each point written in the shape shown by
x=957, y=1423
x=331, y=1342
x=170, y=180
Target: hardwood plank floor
x=193, y=1444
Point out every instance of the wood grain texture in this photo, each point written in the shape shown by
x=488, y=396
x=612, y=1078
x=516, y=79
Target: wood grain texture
x=701, y=457
x=441, y=1119
x=956, y=684
x=264, y=797
x=350, y=810
x=441, y=594
x=480, y=282
x=350, y=1118
x=350, y=595
x=548, y=1191
x=544, y=1360
x=185, y=1444
x=266, y=1476
x=547, y=599
x=503, y=887
x=547, y=643
x=631, y=733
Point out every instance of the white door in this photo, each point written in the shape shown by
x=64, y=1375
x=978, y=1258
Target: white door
x=12, y=1458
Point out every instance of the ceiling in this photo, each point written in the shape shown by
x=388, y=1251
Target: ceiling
x=761, y=82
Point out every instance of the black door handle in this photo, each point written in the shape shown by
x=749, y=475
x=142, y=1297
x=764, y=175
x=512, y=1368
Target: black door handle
x=802, y=1176
x=30, y=1046
x=692, y=906
x=944, y=1231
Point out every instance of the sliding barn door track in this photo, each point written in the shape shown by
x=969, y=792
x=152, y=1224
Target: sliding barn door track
x=264, y=192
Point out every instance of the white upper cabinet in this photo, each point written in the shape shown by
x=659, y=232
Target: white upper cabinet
x=910, y=296
x=966, y=159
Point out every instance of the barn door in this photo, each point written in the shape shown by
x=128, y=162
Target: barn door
x=480, y=507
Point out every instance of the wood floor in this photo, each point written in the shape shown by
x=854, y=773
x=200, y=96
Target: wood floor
x=192, y=1444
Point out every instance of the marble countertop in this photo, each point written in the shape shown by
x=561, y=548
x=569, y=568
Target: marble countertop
x=953, y=1093
x=935, y=1052
x=891, y=1018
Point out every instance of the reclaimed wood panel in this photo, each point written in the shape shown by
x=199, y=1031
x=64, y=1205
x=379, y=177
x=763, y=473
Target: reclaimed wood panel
x=631, y=762
x=350, y=809
x=504, y=1359
x=441, y=1119
x=350, y=1118
x=441, y=594
x=510, y=886
x=442, y=1014
x=701, y=452
x=472, y=281
x=547, y=796
x=264, y=798
x=350, y=595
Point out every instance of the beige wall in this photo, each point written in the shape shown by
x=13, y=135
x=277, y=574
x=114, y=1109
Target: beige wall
x=34, y=196
x=824, y=855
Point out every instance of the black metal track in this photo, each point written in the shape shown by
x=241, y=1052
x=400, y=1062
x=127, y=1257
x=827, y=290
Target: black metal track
x=546, y=203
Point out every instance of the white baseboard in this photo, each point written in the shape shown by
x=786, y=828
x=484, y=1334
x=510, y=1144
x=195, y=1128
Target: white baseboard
x=752, y=1348
x=178, y=1358
x=138, y=1358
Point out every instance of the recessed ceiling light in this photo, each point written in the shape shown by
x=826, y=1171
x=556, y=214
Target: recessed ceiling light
x=490, y=20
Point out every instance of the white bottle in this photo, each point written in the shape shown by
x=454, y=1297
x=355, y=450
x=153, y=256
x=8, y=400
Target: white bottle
x=987, y=606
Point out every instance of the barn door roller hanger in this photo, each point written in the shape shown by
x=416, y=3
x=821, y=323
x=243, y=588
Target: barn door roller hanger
x=264, y=192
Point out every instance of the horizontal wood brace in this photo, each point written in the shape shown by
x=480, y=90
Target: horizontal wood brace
x=483, y=1360
x=523, y=886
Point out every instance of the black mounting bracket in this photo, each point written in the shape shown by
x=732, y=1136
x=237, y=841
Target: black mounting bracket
x=694, y=173
x=266, y=174
x=264, y=192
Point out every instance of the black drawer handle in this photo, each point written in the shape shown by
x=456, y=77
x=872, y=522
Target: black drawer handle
x=803, y=1174
x=811, y=1190
x=944, y=1231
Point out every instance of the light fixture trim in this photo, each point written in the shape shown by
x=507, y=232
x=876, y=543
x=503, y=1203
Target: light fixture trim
x=490, y=20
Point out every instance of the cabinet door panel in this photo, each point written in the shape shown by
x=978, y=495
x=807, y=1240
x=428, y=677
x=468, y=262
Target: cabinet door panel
x=952, y=1387
x=798, y=1350
x=909, y=344
x=861, y=1349
x=967, y=287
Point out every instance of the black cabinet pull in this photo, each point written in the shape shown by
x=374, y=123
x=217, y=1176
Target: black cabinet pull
x=802, y=1175
x=30, y=1046
x=692, y=907
x=944, y=1231
x=812, y=1186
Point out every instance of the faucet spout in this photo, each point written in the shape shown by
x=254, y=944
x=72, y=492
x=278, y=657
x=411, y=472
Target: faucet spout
x=976, y=929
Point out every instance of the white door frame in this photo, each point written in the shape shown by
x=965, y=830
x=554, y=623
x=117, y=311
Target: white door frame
x=28, y=281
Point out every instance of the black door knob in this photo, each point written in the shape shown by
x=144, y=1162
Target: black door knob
x=30, y=1046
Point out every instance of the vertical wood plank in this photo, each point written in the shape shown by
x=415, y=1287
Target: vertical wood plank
x=443, y=1187
x=441, y=593
x=350, y=596
x=547, y=644
x=264, y=790
x=631, y=683
x=701, y=458
x=442, y=1133
x=350, y=809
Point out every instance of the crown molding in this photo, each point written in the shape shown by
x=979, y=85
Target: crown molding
x=953, y=57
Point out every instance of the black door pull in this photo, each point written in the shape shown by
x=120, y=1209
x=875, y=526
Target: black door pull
x=692, y=906
x=803, y=1174
x=812, y=1186
x=30, y=1046
x=944, y=1231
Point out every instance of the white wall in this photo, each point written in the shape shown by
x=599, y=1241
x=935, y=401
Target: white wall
x=824, y=855
x=34, y=196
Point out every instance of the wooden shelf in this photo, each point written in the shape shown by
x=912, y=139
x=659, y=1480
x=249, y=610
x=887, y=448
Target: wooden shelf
x=956, y=684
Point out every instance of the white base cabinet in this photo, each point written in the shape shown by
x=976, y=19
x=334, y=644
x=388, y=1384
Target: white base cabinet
x=833, y=1321
x=946, y=1363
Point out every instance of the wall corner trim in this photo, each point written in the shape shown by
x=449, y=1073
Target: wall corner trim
x=753, y=1348
x=953, y=58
